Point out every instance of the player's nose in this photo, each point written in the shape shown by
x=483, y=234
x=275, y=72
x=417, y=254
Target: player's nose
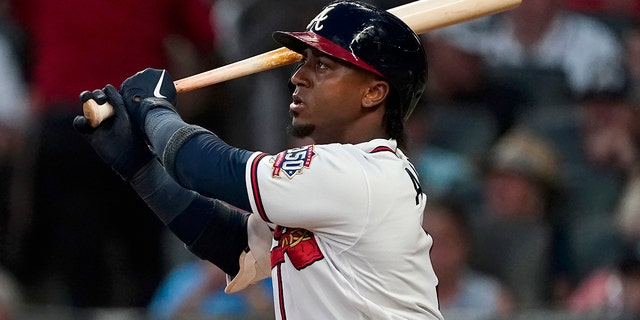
x=299, y=77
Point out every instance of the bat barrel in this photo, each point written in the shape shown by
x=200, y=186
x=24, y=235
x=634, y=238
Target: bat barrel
x=426, y=15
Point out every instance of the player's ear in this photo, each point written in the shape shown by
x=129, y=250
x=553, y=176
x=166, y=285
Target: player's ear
x=375, y=93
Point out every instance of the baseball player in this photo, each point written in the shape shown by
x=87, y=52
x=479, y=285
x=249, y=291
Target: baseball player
x=336, y=224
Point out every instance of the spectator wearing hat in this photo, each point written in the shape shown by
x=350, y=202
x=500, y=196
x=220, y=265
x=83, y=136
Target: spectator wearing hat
x=515, y=232
x=464, y=113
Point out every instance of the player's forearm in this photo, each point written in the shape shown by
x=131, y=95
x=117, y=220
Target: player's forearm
x=197, y=158
x=201, y=223
x=167, y=199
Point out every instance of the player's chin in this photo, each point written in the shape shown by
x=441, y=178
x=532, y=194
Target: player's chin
x=300, y=130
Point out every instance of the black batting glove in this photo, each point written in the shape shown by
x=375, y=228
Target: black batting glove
x=114, y=140
x=145, y=90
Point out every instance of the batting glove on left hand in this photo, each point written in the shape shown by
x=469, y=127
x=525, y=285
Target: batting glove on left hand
x=145, y=90
x=114, y=140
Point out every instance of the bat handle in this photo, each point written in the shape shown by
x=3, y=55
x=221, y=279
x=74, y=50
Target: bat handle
x=96, y=113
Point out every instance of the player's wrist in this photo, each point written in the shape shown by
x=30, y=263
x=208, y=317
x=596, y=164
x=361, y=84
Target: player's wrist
x=146, y=90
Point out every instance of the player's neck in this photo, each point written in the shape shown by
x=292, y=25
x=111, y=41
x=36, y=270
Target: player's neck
x=364, y=133
x=370, y=126
x=363, y=130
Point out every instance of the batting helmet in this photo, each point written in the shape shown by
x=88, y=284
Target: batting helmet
x=372, y=39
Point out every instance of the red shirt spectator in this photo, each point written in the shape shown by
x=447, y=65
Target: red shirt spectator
x=74, y=41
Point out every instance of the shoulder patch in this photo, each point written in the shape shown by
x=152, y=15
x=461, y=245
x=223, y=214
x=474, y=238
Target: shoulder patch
x=292, y=161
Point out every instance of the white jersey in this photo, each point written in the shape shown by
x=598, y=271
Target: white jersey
x=348, y=241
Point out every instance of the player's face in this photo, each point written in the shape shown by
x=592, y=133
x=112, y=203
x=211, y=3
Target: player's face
x=328, y=97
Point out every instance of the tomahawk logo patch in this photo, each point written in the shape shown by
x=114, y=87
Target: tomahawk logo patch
x=299, y=245
x=292, y=161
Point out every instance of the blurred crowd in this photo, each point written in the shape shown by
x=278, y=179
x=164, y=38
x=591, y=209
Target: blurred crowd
x=529, y=131
x=526, y=142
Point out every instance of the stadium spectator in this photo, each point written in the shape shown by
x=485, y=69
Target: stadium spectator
x=78, y=250
x=516, y=235
x=612, y=292
x=464, y=293
x=558, y=47
x=460, y=80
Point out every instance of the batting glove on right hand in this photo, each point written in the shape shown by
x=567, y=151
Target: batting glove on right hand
x=145, y=90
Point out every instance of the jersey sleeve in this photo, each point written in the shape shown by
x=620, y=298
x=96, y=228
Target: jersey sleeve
x=314, y=187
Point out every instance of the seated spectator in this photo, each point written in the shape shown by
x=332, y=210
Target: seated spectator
x=463, y=113
x=540, y=35
x=516, y=235
x=596, y=140
x=613, y=292
x=463, y=293
x=459, y=80
x=611, y=287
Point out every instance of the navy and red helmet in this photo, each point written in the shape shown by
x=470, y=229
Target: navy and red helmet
x=370, y=38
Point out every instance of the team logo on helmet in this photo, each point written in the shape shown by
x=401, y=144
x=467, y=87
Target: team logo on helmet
x=315, y=24
x=292, y=161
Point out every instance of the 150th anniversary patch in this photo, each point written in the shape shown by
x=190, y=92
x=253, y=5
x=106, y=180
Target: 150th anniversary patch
x=292, y=161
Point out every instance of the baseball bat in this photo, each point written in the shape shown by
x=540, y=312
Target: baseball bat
x=421, y=16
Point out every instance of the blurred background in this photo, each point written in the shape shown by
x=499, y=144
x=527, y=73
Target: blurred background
x=526, y=141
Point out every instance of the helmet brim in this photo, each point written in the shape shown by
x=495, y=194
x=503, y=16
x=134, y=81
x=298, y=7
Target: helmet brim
x=299, y=41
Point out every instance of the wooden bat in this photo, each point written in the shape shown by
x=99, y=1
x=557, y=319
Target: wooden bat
x=421, y=16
